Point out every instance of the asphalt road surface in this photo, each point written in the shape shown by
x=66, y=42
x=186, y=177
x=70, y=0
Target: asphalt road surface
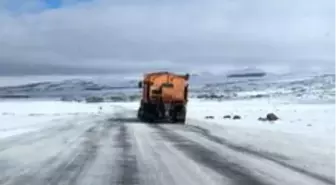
x=123, y=151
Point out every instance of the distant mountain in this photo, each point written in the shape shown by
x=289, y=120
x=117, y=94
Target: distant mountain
x=321, y=87
x=247, y=72
x=65, y=87
x=247, y=75
x=202, y=86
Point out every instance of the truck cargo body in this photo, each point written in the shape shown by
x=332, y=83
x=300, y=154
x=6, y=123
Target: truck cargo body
x=164, y=97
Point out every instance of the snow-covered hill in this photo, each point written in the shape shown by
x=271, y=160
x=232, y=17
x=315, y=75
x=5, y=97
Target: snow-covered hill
x=202, y=86
x=320, y=88
x=67, y=85
x=75, y=87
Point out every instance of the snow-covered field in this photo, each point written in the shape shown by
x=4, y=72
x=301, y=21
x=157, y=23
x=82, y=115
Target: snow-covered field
x=307, y=119
x=302, y=140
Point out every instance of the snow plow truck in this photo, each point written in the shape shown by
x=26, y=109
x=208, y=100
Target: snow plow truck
x=164, y=98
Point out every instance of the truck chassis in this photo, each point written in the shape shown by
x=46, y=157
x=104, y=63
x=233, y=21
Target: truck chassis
x=160, y=112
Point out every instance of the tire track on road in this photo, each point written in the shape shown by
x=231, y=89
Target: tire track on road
x=68, y=172
x=207, y=134
x=211, y=159
x=40, y=134
x=66, y=166
x=127, y=159
x=268, y=156
x=33, y=136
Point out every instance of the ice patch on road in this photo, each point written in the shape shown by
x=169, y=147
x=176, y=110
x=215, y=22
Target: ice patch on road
x=13, y=132
x=50, y=107
x=19, y=117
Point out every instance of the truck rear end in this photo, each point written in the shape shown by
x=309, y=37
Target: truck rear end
x=164, y=97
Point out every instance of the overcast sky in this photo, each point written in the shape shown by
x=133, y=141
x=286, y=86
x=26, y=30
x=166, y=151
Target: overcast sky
x=55, y=37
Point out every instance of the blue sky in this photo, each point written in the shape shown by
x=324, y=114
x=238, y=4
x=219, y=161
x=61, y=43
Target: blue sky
x=30, y=6
x=109, y=36
x=59, y=3
x=53, y=3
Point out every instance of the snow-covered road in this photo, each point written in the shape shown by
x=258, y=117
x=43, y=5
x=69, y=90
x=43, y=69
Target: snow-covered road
x=114, y=148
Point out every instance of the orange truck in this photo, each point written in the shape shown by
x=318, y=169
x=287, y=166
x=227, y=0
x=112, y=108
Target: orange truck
x=164, y=97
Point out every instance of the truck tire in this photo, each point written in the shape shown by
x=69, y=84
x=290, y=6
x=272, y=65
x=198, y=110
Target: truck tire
x=182, y=115
x=173, y=116
x=181, y=121
x=177, y=115
x=139, y=115
x=149, y=113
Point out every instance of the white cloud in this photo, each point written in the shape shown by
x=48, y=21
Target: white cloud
x=129, y=36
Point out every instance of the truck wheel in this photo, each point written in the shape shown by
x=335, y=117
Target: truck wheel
x=177, y=115
x=182, y=115
x=181, y=120
x=172, y=116
x=140, y=114
x=149, y=114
